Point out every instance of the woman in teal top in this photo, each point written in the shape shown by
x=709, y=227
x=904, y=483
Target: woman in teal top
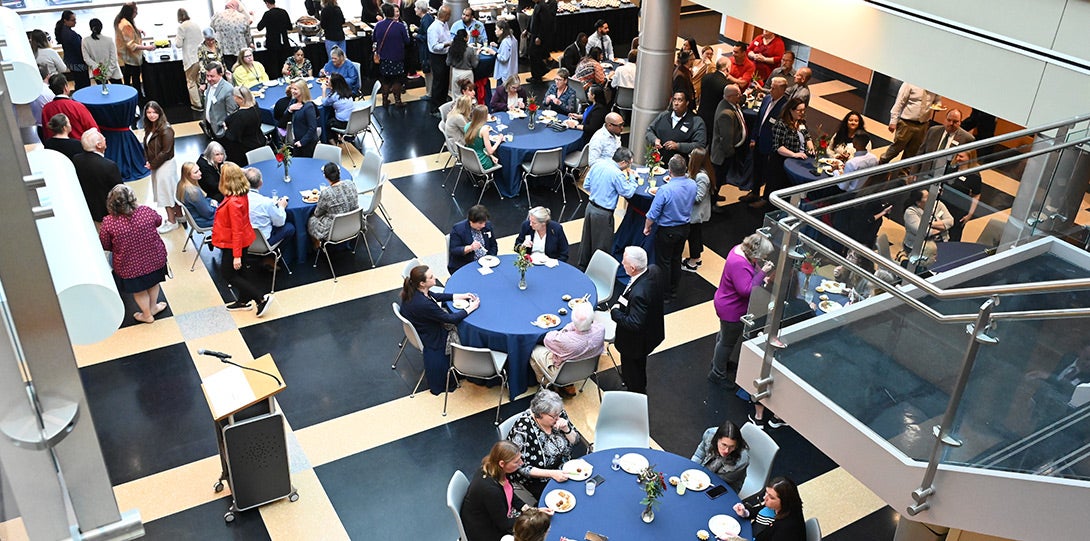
x=478, y=137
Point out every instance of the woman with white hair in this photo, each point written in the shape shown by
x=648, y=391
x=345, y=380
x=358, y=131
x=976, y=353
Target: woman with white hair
x=209, y=163
x=545, y=437
x=540, y=234
x=745, y=269
x=578, y=340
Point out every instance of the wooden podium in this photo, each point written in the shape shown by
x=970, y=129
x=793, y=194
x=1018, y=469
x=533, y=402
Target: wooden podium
x=250, y=434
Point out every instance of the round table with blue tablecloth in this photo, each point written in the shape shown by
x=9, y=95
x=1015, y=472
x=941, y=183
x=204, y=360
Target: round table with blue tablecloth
x=114, y=113
x=522, y=147
x=503, y=321
x=272, y=94
x=630, y=232
x=306, y=174
x=614, y=509
x=801, y=171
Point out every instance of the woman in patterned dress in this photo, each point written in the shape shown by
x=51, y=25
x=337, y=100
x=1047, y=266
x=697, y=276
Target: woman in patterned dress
x=545, y=437
x=341, y=197
x=139, y=255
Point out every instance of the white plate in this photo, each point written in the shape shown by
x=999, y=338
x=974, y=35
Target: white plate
x=543, y=321
x=633, y=463
x=835, y=288
x=560, y=500
x=695, y=480
x=572, y=303
x=724, y=525
x=578, y=469
x=829, y=306
x=548, y=113
x=460, y=304
x=538, y=258
x=489, y=261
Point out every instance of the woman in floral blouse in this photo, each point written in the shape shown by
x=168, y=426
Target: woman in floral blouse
x=209, y=51
x=297, y=65
x=546, y=438
x=341, y=197
x=139, y=255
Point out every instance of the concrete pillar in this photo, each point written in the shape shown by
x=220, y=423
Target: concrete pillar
x=456, y=9
x=656, y=59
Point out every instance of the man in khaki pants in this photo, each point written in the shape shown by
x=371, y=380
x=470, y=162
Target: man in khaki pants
x=188, y=40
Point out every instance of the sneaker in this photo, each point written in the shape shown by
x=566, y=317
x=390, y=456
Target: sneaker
x=167, y=227
x=263, y=305
x=776, y=422
x=238, y=306
x=690, y=265
x=759, y=423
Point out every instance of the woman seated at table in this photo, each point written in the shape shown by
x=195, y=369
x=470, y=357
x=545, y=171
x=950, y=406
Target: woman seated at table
x=341, y=197
x=589, y=71
x=533, y=525
x=779, y=518
x=478, y=137
x=491, y=507
x=512, y=98
x=560, y=97
x=248, y=72
x=593, y=117
x=243, y=127
x=545, y=436
x=61, y=141
x=425, y=310
x=209, y=164
x=201, y=207
x=454, y=127
x=462, y=59
x=540, y=234
x=851, y=124
x=723, y=451
x=471, y=239
x=303, y=115
x=297, y=65
x=338, y=102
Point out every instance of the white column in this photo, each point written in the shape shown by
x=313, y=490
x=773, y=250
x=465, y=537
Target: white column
x=654, y=66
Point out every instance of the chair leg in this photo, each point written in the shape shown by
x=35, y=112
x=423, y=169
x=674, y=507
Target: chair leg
x=389, y=223
x=503, y=385
x=526, y=182
x=563, y=192
x=276, y=263
x=417, y=386
x=446, y=392
x=615, y=366
x=330, y=261
x=351, y=158
x=196, y=257
x=401, y=350
x=457, y=179
x=367, y=245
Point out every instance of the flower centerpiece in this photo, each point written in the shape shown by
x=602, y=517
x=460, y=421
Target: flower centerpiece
x=475, y=33
x=652, y=158
x=654, y=486
x=522, y=262
x=757, y=83
x=283, y=157
x=532, y=108
x=99, y=74
x=807, y=266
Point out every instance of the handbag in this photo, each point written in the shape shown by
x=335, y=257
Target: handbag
x=375, y=56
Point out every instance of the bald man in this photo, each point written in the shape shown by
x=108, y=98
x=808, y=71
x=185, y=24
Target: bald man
x=949, y=134
x=97, y=174
x=728, y=135
x=712, y=94
x=801, y=88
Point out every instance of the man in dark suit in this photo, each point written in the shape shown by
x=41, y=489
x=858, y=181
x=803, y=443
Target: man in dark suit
x=539, y=224
x=950, y=134
x=471, y=239
x=574, y=53
x=639, y=317
x=728, y=136
x=711, y=92
x=97, y=175
x=760, y=139
x=542, y=26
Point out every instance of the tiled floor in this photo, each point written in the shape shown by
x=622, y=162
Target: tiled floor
x=375, y=462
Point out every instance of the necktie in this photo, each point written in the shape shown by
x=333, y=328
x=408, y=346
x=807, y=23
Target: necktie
x=945, y=141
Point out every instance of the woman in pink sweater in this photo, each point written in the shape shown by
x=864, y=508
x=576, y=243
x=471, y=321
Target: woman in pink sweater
x=745, y=269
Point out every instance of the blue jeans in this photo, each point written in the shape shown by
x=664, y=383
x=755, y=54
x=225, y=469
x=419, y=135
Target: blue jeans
x=282, y=232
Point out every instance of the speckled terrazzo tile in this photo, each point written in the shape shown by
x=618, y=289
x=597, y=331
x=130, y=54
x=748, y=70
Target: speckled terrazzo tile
x=202, y=323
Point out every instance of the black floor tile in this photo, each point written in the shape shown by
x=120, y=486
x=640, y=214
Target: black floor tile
x=131, y=307
x=691, y=291
x=149, y=413
x=408, y=132
x=205, y=522
x=851, y=100
x=728, y=228
x=336, y=360
x=880, y=525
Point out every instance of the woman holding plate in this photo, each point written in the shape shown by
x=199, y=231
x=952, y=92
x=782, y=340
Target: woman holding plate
x=545, y=437
x=540, y=234
x=424, y=309
x=491, y=507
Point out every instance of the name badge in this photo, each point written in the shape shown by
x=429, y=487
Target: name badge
x=684, y=129
x=623, y=302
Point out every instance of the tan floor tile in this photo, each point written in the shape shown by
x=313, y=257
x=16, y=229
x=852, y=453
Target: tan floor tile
x=689, y=324
x=312, y=516
x=13, y=530
x=174, y=490
x=411, y=226
x=837, y=499
x=129, y=341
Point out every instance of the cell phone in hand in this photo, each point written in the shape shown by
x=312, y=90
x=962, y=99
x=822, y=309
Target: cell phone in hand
x=716, y=492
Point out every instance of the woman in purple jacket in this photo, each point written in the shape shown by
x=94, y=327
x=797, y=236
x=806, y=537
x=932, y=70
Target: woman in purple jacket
x=390, y=39
x=745, y=269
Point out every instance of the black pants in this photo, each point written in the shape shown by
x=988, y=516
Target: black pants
x=775, y=175
x=229, y=61
x=130, y=75
x=81, y=78
x=760, y=170
x=537, y=55
x=244, y=287
x=669, y=244
x=634, y=373
x=696, y=239
x=440, y=78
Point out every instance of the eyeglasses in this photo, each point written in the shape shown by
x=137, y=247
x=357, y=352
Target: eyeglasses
x=615, y=124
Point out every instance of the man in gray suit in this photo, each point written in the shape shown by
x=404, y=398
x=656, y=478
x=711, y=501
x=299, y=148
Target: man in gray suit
x=949, y=135
x=218, y=100
x=728, y=135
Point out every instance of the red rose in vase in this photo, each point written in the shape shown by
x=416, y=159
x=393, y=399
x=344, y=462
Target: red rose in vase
x=280, y=158
x=807, y=268
x=475, y=33
x=657, y=157
x=97, y=72
x=533, y=107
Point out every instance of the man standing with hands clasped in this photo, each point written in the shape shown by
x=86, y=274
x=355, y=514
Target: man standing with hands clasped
x=638, y=313
x=671, y=209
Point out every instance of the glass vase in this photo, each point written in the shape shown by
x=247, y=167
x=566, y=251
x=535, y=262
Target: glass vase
x=533, y=120
x=647, y=515
x=287, y=175
x=105, y=88
x=808, y=293
x=522, y=280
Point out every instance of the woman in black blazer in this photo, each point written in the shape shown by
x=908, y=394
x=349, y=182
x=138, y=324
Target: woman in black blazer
x=303, y=115
x=780, y=518
x=464, y=248
x=243, y=128
x=594, y=116
x=425, y=311
x=490, y=507
x=209, y=163
x=540, y=234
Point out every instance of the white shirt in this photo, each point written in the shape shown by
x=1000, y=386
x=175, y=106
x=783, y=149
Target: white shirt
x=439, y=37
x=539, y=243
x=604, y=42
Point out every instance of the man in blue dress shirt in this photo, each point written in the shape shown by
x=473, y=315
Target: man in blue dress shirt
x=339, y=64
x=606, y=181
x=469, y=23
x=671, y=209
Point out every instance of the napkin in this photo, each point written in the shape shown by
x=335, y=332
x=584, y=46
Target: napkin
x=551, y=262
x=485, y=271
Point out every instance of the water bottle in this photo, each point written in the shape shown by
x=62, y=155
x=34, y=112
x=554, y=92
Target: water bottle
x=616, y=462
x=274, y=193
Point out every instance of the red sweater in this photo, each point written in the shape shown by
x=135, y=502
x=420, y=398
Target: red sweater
x=773, y=50
x=78, y=116
x=231, y=229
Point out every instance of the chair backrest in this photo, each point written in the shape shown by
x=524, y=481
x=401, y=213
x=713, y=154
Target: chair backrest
x=260, y=245
x=883, y=246
x=993, y=233
x=445, y=110
x=370, y=173
x=327, y=153
x=762, y=451
x=580, y=94
x=345, y=226
x=624, y=97
x=374, y=93
x=358, y=120
x=260, y=154
x=622, y=421
x=373, y=199
x=505, y=427
x=412, y=264
x=584, y=158
x=469, y=159
x=446, y=249
x=813, y=529
x=456, y=493
x=546, y=161
x=359, y=68
x=576, y=371
x=602, y=271
x=475, y=362
x=410, y=332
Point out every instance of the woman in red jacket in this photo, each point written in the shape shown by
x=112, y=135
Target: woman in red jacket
x=232, y=233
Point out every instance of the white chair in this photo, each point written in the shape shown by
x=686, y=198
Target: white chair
x=622, y=421
x=411, y=337
x=477, y=363
x=268, y=130
x=505, y=427
x=570, y=373
x=446, y=249
x=372, y=103
x=456, y=493
x=346, y=226
x=575, y=163
x=260, y=154
x=205, y=232
x=359, y=122
x=813, y=529
x=624, y=99
x=602, y=271
x=446, y=145
x=262, y=248
x=544, y=163
x=370, y=176
x=473, y=167
x=327, y=153
x=603, y=319
x=762, y=451
x=370, y=202
x=580, y=96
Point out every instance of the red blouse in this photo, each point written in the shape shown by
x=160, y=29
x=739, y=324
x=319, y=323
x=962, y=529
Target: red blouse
x=773, y=50
x=231, y=228
x=134, y=241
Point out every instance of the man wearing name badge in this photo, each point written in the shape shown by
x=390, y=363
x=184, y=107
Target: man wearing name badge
x=728, y=137
x=671, y=210
x=761, y=137
x=606, y=181
x=801, y=88
x=218, y=99
x=908, y=121
x=606, y=140
x=639, y=317
x=740, y=69
x=469, y=23
x=677, y=130
x=950, y=134
x=439, y=41
x=574, y=53
x=97, y=174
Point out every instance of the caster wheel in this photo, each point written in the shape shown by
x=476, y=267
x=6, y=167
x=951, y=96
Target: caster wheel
x=293, y=497
x=229, y=517
x=218, y=487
